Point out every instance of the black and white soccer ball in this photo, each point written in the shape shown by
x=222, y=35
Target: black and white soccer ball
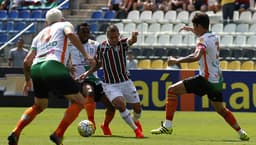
x=85, y=128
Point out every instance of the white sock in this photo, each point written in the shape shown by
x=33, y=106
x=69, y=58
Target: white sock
x=128, y=119
x=241, y=132
x=167, y=123
x=136, y=116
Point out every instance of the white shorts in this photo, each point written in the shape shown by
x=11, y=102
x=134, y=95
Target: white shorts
x=125, y=89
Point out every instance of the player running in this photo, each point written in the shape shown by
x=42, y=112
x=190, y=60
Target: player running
x=91, y=87
x=209, y=81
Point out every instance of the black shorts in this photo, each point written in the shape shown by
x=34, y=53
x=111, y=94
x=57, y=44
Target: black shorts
x=52, y=76
x=200, y=86
x=97, y=89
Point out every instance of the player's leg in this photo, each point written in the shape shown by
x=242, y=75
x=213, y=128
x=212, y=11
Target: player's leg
x=174, y=91
x=230, y=119
x=109, y=115
x=70, y=115
x=30, y=113
x=90, y=104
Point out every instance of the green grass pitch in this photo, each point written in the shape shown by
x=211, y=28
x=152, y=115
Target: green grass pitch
x=190, y=128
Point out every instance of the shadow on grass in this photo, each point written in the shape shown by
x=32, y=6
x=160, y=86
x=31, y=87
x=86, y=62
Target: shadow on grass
x=118, y=136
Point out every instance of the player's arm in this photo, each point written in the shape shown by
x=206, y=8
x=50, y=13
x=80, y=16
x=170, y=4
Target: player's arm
x=69, y=32
x=195, y=56
x=133, y=38
x=27, y=65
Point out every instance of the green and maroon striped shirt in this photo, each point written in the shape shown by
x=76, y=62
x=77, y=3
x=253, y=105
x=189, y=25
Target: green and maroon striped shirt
x=114, y=61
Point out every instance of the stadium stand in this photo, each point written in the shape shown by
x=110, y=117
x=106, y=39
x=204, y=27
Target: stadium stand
x=144, y=64
x=157, y=64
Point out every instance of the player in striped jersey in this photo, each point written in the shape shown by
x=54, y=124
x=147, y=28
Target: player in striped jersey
x=44, y=64
x=119, y=88
x=209, y=81
x=91, y=86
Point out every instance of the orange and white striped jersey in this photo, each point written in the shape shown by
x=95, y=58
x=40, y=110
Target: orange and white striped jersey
x=209, y=62
x=51, y=43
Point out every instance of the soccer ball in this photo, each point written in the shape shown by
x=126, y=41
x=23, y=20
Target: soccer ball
x=85, y=128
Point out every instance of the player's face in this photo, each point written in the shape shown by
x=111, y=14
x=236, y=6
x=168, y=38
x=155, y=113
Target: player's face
x=113, y=38
x=84, y=33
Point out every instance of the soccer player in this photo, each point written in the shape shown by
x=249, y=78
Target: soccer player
x=91, y=87
x=44, y=64
x=117, y=85
x=209, y=81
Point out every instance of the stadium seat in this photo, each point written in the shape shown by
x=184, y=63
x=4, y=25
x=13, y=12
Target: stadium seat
x=217, y=28
x=173, y=52
x=249, y=54
x=93, y=27
x=237, y=54
x=32, y=29
x=163, y=40
x=229, y=28
x=189, y=40
x=3, y=14
x=184, y=65
x=120, y=26
x=146, y=16
x=37, y=15
x=224, y=64
x=183, y=17
x=129, y=27
x=8, y=26
x=193, y=65
x=154, y=28
x=177, y=28
x=13, y=14
x=144, y=64
x=185, y=51
x=170, y=16
x=109, y=14
x=251, y=41
x=247, y=65
x=24, y=15
x=226, y=41
x=242, y=28
x=166, y=28
x=3, y=38
x=150, y=40
x=245, y=17
x=157, y=16
x=234, y=65
x=176, y=40
x=97, y=15
x=19, y=26
x=142, y=28
x=252, y=28
x=157, y=64
x=133, y=16
x=136, y=51
x=145, y=53
x=225, y=54
x=239, y=41
x=160, y=53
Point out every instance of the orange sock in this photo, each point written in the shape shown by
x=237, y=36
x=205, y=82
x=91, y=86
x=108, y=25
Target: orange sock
x=171, y=105
x=70, y=115
x=90, y=108
x=26, y=118
x=231, y=120
x=109, y=115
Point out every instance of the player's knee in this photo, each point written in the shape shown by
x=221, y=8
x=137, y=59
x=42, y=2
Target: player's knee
x=39, y=108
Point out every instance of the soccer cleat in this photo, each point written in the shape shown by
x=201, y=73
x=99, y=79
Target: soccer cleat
x=162, y=130
x=106, y=130
x=138, y=133
x=244, y=137
x=137, y=123
x=57, y=140
x=13, y=139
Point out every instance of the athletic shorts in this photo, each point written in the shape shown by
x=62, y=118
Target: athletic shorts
x=52, y=76
x=200, y=86
x=125, y=89
x=97, y=89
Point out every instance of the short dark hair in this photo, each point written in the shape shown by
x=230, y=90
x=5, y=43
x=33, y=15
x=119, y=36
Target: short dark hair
x=201, y=19
x=82, y=24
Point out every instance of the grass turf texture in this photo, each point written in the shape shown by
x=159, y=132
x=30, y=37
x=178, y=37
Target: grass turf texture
x=190, y=128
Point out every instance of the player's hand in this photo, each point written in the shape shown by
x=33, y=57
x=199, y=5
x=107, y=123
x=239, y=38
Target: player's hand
x=135, y=34
x=171, y=60
x=82, y=76
x=27, y=87
x=186, y=28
